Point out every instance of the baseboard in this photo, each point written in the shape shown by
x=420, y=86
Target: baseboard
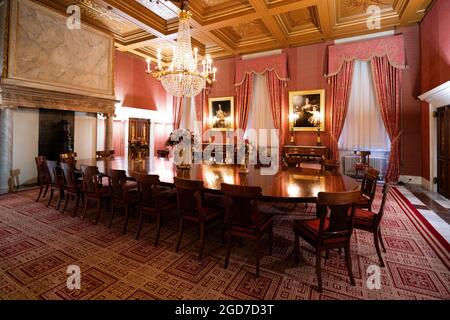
x=411, y=179
x=426, y=184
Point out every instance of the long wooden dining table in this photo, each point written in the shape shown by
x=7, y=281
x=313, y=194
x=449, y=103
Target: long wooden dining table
x=287, y=185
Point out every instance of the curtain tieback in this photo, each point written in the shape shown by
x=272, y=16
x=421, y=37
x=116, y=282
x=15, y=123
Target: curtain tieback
x=397, y=138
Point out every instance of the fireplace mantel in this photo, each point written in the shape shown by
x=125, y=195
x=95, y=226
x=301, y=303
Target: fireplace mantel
x=20, y=96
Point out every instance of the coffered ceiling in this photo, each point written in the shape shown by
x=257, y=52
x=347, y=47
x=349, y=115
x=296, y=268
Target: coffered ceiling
x=232, y=27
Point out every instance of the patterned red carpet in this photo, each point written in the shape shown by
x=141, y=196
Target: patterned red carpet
x=38, y=243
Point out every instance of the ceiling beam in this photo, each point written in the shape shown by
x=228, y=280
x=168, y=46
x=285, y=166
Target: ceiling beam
x=271, y=24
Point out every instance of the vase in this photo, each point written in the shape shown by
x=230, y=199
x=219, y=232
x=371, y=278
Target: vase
x=185, y=163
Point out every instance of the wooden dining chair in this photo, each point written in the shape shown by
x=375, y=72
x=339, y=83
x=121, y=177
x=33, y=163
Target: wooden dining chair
x=368, y=189
x=191, y=207
x=55, y=174
x=333, y=232
x=72, y=186
x=243, y=218
x=153, y=201
x=94, y=190
x=124, y=194
x=371, y=221
x=362, y=163
x=330, y=166
x=43, y=176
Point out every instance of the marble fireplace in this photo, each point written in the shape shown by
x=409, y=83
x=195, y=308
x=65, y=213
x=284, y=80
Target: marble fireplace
x=72, y=72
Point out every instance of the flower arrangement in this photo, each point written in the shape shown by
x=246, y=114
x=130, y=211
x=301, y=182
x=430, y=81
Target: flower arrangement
x=179, y=135
x=138, y=147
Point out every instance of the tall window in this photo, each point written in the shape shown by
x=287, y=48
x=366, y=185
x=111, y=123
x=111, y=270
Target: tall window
x=260, y=115
x=364, y=128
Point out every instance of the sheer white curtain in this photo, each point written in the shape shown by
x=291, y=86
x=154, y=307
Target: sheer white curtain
x=260, y=116
x=364, y=128
x=188, y=115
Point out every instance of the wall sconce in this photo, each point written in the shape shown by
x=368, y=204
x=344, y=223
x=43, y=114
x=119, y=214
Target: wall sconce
x=292, y=118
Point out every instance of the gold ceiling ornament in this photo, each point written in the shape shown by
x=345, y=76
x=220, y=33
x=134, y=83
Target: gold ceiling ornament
x=182, y=78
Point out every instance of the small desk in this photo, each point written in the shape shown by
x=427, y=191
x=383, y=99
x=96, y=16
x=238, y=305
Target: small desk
x=293, y=154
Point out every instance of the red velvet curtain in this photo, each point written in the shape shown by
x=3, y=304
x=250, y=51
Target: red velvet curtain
x=243, y=100
x=341, y=85
x=200, y=103
x=387, y=80
x=276, y=88
x=177, y=104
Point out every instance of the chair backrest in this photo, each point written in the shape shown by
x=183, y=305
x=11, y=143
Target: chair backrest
x=117, y=181
x=68, y=157
x=339, y=205
x=53, y=171
x=369, y=183
x=189, y=195
x=147, y=189
x=91, y=180
x=363, y=156
x=42, y=171
x=241, y=204
x=386, y=188
x=68, y=171
x=331, y=165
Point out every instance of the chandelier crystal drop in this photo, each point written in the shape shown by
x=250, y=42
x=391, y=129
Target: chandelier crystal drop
x=181, y=78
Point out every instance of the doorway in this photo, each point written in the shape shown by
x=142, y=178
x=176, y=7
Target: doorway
x=443, y=152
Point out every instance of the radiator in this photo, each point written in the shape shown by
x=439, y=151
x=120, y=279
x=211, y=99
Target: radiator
x=349, y=162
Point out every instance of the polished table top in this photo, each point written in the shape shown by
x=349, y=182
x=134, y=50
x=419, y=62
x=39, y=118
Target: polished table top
x=290, y=184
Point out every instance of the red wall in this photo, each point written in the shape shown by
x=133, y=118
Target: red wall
x=134, y=87
x=435, y=65
x=306, y=69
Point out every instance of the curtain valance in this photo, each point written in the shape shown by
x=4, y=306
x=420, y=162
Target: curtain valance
x=276, y=63
x=391, y=47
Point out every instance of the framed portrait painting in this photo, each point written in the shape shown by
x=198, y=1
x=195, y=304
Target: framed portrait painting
x=307, y=110
x=221, y=113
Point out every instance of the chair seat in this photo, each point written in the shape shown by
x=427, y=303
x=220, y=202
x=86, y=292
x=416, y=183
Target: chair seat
x=364, y=218
x=131, y=185
x=264, y=221
x=363, y=201
x=209, y=213
x=309, y=230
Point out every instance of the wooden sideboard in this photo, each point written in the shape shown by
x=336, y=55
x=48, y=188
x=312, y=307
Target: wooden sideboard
x=293, y=154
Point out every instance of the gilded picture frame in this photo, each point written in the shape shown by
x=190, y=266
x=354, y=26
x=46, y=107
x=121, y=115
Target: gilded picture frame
x=307, y=110
x=221, y=113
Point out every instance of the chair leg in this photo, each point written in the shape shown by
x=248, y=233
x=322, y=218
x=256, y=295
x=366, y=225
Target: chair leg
x=319, y=268
x=61, y=197
x=112, y=216
x=76, y=205
x=180, y=234
x=327, y=254
x=271, y=240
x=349, y=264
x=202, y=240
x=51, y=197
x=141, y=222
x=381, y=240
x=258, y=252
x=86, y=205
x=229, y=244
x=66, y=202
x=377, y=246
x=296, y=248
x=46, y=190
x=40, y=192
x=127, y=216
x=99, y=210
x=158, y=227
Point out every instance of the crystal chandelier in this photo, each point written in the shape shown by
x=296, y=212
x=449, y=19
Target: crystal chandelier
x=182, y=78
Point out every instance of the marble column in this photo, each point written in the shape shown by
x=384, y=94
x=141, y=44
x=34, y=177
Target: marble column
x=6, y=147
x=109, y=132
